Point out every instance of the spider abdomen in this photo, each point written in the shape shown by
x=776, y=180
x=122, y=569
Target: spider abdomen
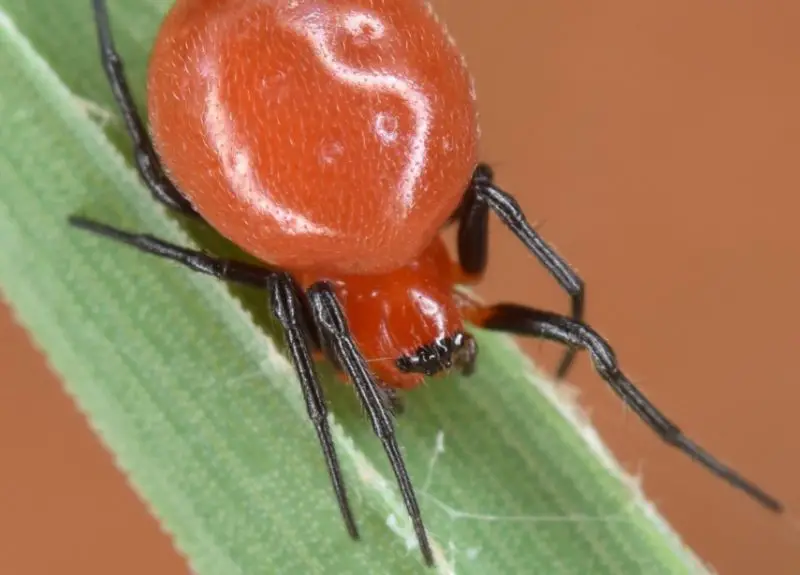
x=316, y=135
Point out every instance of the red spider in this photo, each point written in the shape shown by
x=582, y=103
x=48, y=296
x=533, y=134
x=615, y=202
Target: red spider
x=333, y=140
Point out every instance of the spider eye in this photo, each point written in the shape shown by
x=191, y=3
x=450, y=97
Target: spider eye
x=440, y=355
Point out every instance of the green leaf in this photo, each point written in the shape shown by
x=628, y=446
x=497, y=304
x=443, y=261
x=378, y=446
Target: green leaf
x=178, y=376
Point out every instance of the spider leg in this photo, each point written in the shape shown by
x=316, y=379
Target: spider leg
x=147, y=162
x=229, y=270
x=333, y=327
x=288, y=309
x=531, y=322
x=473, y=229
x=473, y=239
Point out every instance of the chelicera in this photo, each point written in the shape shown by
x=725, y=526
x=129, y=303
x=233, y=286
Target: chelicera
x=334, y=141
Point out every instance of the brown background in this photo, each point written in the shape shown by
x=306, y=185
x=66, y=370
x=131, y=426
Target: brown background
x=660, y=146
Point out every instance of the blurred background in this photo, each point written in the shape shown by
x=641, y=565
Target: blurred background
x=658, y=148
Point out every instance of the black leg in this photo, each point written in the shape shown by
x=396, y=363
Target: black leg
x=473, y=226
x=289, y=311
x=546, y=325
x=473, y=241
x=330, y=320
x=145, y=157
x=228, y=270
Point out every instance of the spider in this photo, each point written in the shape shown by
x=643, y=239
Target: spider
x=334, y=141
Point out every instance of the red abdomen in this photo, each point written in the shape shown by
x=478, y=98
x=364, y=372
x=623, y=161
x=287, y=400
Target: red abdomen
x=335, y=136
